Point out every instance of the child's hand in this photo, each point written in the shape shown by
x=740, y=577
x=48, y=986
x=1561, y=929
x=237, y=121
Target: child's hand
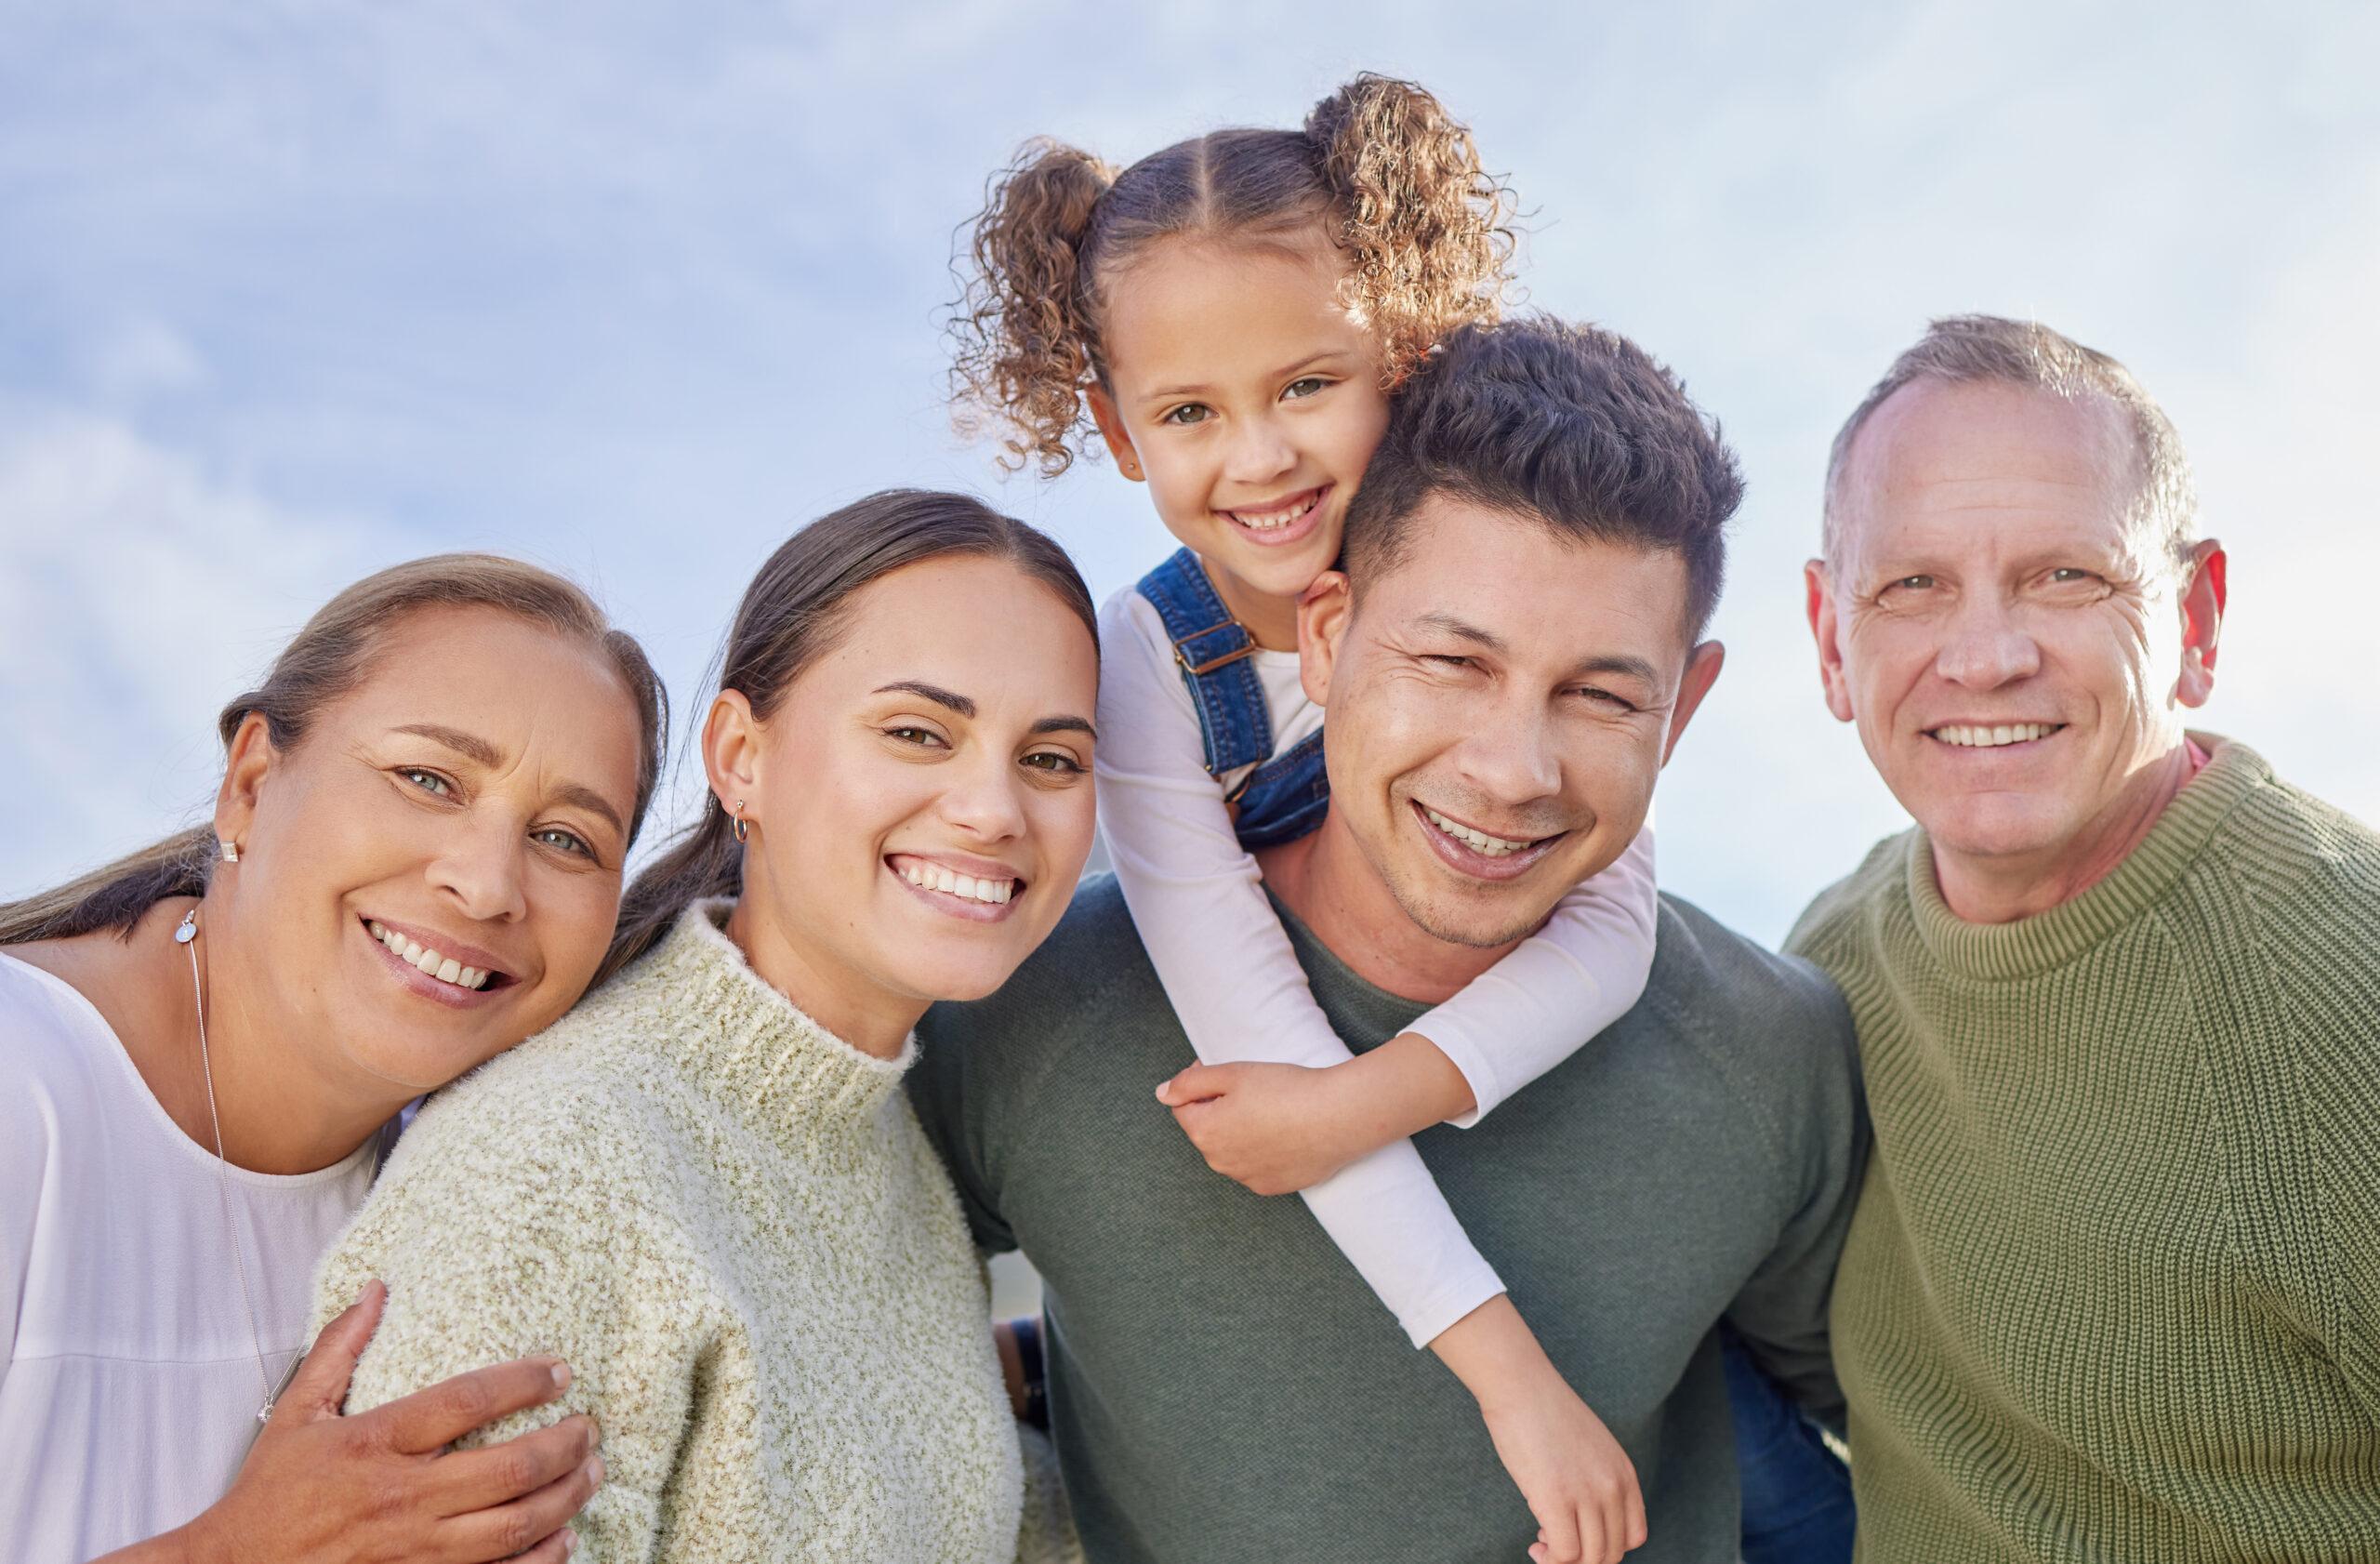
x=1276, y=1128
x=1579, y=1483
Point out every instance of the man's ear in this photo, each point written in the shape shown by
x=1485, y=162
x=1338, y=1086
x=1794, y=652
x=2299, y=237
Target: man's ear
x=1324, y=613
x=1819, y=584
x=250, y=761
x=1702, y=666
x=1111, y=428
x=2205, y=595
x=732, y=751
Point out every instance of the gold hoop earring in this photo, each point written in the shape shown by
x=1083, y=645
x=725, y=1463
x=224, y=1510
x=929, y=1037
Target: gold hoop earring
x=741, y=827
x=231, y=850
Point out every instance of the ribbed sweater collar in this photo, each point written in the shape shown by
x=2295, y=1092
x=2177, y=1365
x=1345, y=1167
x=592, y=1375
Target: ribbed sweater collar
x=2072, y=928
x=746, y=1044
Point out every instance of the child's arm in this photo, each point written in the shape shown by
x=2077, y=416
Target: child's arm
x=1278, y=1129
x=1233, y=980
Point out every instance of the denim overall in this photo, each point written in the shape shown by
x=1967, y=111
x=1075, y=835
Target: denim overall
x=1796, y=1492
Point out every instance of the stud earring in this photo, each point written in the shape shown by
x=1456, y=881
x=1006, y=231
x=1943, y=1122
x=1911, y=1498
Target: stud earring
x=230, y=851
x=742, y=828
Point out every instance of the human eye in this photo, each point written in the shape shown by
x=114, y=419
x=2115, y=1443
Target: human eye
x=1602, y=696
x=427, y=780
x=2071, y=574
x=916, y=738
x=1188, y=414
x=1057, y=762
x=563, y=841
x=1447, y=660
x=1303, y=387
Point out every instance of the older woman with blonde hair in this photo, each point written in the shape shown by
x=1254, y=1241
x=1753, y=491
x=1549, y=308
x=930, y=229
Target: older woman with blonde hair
x=415, y=861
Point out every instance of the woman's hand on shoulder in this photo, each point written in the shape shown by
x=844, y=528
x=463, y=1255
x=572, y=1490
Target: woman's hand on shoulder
x=321, y=1487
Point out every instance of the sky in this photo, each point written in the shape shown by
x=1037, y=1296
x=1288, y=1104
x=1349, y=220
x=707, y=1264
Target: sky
x=291, y=289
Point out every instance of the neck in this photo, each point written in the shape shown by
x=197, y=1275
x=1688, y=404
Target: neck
x=1324, y=879
x=1271, y=621
x=871, y=1020
x=2002, y=890
x=279, y=1112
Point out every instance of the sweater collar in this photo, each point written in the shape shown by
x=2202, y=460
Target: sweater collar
x=2069, y=930
x=749, y=1045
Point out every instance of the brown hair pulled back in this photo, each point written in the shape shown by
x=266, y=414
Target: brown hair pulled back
x=794, y=613
x=326, y=660
x=1391, y=178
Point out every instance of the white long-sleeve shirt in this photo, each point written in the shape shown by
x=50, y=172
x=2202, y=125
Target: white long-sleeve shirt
x=1198, y=902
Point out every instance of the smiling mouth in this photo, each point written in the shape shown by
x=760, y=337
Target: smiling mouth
x=1999, y=735
x=981, y=896
x=1482, y=854
x=436, y=964
x=1279, y=519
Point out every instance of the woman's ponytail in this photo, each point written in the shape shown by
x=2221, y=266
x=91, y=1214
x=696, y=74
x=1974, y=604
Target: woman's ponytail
x=1427, y=229
x=1022, y=332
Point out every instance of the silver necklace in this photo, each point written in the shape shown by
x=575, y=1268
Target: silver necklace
x=186, y=936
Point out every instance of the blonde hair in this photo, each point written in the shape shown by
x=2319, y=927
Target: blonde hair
x=1380, y=169
x=323, y=661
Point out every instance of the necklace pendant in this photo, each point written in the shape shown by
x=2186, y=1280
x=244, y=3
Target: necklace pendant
x=188, y=929
x=264, y=1412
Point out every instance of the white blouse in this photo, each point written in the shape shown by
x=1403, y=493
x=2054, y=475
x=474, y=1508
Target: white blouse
x=129, y=1385
x=1198, y=903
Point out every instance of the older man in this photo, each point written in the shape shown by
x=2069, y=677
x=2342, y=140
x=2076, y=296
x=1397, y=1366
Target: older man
x=1516, y=642
x=2113, y=1288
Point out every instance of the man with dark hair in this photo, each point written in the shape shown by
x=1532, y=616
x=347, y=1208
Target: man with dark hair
x=1516, y=647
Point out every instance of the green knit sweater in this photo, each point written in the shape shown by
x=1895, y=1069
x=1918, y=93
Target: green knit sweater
x=2113, y=1291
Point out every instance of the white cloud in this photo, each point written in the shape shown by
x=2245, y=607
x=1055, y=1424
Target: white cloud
x=137, y=594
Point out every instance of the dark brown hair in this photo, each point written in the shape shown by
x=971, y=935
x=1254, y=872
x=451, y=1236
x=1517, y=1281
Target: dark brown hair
x=1570, y=424
x=323, y=661
x=794, y=612
x=1380, y=169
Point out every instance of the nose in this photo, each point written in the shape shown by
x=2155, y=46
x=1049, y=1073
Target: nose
x=480, y=870
x=984, y=800
x=1987, y=647
x=1259, y=451
x=1512, y=757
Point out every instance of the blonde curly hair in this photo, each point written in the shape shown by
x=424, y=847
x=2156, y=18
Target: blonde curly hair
x=1391, y=178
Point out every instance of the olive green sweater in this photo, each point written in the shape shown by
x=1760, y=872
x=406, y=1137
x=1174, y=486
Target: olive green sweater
x=2113, y=1291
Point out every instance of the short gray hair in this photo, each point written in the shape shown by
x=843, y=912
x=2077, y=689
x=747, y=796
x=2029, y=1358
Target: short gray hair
x=1960, y=350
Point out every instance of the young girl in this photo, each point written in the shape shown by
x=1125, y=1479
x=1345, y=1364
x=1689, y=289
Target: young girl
x=1234, y=311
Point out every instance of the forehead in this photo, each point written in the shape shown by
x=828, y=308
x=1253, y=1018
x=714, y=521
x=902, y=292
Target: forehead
x=1987, y=463
x=978, y=627
x=533, y=691
x=1550, y=595
x=1215, y=308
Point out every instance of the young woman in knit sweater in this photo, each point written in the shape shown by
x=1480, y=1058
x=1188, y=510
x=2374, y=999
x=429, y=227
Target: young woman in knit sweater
x=703, y=1188
x=203, y=1045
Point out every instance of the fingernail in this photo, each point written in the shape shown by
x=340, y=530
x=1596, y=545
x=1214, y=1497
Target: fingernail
x=595, y=1470
x=569, y=1544
x=562, y=1375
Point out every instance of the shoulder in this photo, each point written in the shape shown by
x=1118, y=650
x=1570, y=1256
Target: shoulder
x=1710, y=980
x=1832, y=920
x=54, y=1063
x=2307, y=858
x=1129, y=627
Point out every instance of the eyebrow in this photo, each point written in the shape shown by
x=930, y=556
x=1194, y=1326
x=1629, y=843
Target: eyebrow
x=966, y=707
x=472, y=748
x=1635, y=667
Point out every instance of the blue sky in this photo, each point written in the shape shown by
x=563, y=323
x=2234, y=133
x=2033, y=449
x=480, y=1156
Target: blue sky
x=296, y=289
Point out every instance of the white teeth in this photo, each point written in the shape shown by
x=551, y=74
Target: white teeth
x=1478, y=842
x=933, y=877
x=1971, y=736
x=443, y=968
x=1272, y=521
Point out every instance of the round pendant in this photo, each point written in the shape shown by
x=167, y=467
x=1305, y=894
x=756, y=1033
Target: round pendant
x=188, y=929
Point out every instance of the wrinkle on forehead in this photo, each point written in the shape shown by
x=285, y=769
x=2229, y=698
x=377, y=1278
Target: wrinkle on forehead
x=1937, y=450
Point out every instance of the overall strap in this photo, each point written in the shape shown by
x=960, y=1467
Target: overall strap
x=1212, y=650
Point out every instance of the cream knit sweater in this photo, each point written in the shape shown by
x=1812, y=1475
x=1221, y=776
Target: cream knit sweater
x=727, y=1222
